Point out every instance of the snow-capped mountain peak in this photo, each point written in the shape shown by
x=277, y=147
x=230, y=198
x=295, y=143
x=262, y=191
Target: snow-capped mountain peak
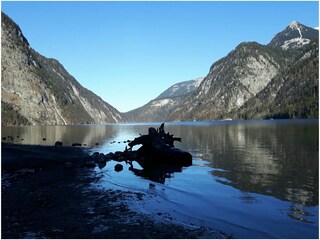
x=294, y=36
x=294, y=25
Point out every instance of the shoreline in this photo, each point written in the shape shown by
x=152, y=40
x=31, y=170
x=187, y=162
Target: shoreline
x=42, y=198
x=16, y=156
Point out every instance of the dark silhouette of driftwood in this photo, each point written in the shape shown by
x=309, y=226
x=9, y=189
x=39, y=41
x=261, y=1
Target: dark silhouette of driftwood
x=157, y=148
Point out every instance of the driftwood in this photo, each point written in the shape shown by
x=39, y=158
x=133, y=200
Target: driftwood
x=157, y=148
x=156, y=139
x=157, y=156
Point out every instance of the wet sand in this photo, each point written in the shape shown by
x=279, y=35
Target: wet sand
x=42, y=198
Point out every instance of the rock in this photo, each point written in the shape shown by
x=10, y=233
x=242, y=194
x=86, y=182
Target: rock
x=102, y=164
x=109, y=156
x=58, y=144
x=101, y=158
x=94, y=156
x=98, y=157
x=117, y=155
x=118, y=167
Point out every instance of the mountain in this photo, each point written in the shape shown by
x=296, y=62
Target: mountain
x=39, y=90
x=293, y=93
x=294, y=36
x=160, y=107
x=181, y=88
x=253, y=81
x=232, y=81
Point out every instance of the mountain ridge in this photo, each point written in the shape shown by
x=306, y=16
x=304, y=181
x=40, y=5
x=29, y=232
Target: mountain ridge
x=235, y=79
x=40, y=90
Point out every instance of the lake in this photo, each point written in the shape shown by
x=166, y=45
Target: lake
x=249, y=179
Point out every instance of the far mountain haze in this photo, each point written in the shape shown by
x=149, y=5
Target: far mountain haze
x=254, y=81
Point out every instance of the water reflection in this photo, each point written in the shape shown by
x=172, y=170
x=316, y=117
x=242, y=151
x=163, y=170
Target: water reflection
x=157, y=173
x=277, y=159
x=272, y=158
x=87, y=135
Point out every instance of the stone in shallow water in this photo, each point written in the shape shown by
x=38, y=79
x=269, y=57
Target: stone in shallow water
x=118, y=167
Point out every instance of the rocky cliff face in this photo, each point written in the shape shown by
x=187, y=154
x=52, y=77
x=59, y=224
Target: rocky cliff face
x=236, y=82
x=39, y=90
x=293, y=93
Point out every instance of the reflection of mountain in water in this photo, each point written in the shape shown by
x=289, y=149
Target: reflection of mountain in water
x=277, y=159
x=87, y=135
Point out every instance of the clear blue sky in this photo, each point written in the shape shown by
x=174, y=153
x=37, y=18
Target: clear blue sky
x=130, y=52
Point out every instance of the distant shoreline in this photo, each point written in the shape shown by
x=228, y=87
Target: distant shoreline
x=170, y=122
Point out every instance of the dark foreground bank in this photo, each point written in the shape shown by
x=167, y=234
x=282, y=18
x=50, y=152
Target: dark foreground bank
x=44, y=198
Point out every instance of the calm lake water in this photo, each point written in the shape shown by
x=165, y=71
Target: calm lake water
x=249, y=179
